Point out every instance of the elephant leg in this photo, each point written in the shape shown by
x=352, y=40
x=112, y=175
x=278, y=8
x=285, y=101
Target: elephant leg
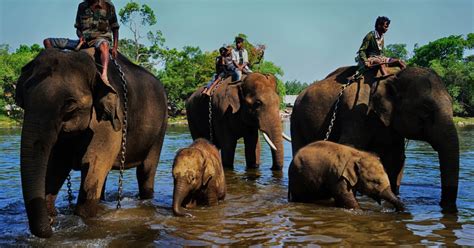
x=394, y=161
x=252, y=150
x=344, y=197
x=228, y=153
x=146, y=179
x=102, y=193
x=96, y=164
x=93, y=179
x=147, y=170
x=59, y=168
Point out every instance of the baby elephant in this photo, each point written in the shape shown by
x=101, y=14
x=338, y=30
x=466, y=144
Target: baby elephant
x=324, y=169
x=198, y=177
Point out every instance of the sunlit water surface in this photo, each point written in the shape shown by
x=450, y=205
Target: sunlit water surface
x=255, y=211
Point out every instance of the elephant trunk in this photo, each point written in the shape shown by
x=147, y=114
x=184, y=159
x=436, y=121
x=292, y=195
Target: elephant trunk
x=180, y=192
x=389, y=196
x=446, y=143
x=274, y=133
x=35, y=151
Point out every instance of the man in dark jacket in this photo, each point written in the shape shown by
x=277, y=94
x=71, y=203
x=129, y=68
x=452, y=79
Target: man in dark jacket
x=96, y=25
x=371, y=50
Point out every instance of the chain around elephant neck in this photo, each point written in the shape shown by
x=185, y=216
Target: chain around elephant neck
x=124, y=131
x=336, y=105
x=211, y=137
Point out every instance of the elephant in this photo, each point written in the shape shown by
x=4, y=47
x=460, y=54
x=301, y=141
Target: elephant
x=198, y=177
x=239, y=109
x=377, y=114
x=324, y=169
x=74, y=120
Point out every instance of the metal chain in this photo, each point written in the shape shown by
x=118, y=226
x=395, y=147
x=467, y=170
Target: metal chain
x=211, y=138
x=333, y=118
x=124, y=131
x=69, y=191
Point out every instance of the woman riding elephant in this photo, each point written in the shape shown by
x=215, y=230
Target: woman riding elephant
x=239, y=109
x=378, y=115
x=74, y=120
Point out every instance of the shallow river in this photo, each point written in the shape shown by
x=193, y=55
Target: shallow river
x=255, y=211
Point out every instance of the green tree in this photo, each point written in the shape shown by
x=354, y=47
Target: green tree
x=295, y=87
x=447, y=48
x=184, y=71
x=446, y=57
x=10, y=70
x=398, y=51
x=135, y=17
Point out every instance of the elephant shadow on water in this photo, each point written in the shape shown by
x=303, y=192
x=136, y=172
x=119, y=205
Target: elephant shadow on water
x=74, y=121
x=378, y=115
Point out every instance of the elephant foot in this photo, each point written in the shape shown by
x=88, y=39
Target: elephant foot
x=147, y=194
x=448, y=208
x=253, y=166
x=277, y=168
x=52, y=211
x=88, y=209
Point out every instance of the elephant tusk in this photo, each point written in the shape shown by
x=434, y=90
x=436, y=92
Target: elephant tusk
x=270, y=143
x=286, y=137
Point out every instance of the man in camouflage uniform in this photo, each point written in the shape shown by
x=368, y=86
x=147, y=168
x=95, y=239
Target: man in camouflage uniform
x=371, y=50
x=96, y=25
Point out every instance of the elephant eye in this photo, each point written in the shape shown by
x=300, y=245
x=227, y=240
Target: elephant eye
x=257, y=104
x=69, y=105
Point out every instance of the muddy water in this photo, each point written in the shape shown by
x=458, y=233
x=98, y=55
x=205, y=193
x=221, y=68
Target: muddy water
x=256, y=210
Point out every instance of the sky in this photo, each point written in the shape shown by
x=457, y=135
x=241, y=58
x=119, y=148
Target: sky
x=307, y=38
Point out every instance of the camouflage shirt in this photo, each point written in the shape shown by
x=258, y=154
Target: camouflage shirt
x=370, y=47
x=97, y=23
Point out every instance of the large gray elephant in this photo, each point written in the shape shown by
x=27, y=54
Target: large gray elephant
x=240, y=109
x=73, y=120
x=377, y=115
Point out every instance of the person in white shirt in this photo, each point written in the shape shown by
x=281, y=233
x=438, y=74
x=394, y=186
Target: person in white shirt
x=240, y=59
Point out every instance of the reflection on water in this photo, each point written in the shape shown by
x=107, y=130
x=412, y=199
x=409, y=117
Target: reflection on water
x=256, y=210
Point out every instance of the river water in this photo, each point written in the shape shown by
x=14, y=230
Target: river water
x=255, y=211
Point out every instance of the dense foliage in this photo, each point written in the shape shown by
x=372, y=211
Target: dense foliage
x=295, y=87
x=10, y=69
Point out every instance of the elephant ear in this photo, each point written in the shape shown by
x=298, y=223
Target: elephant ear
x=208, y=172
x=382, y=101
x=350, y=171
x=231, y=98
x=31, y=76
x=25, y=75
x=107, y=104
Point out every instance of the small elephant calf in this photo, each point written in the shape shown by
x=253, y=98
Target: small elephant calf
x=198, y=177
x=324, y=169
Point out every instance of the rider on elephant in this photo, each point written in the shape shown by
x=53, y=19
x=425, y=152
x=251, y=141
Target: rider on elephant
x=240, y=57
x=224, y=68
x=96, y=22
x=371, y=50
